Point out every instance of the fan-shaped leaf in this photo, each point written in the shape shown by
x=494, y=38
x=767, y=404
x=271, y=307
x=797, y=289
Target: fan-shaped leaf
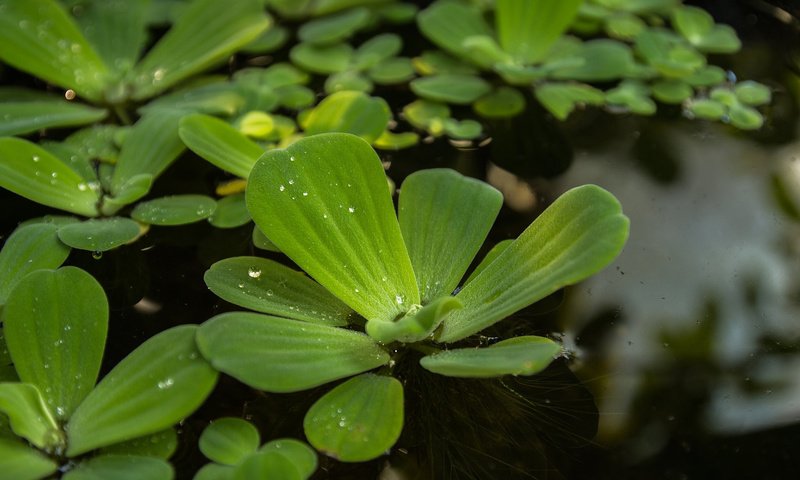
x=350, y=112
x=28, y=414
x=283, y=355
x=358, y=420
x=26, y=117
x=528, y=29
x=174, y=210
x=324, y=203
x=515, y=356
x=229, y=440
x=578, y=235
x=219, y=143
x=55, y=325
x=267, y=286
x=121, y=467
x=34, y=173
x=99, y=235
x=18, y=461
x=30, y=247
x=154, y=387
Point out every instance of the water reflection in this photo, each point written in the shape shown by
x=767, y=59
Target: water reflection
x=696, y=327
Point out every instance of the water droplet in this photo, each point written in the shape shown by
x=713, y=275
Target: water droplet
x=97, y=255
x=67, y=328
x=58, y=342
x=241, y=285
x=357, y=290
x=383, y=278
x=291, y=182
x=83, y=187
x=36, y=158
x=281, y=188
x=351, y=209
x=253, y=272
x=165, y=384
x=399, y=299
x=75, y=48
x=269, y=293
x=324, y=215
x=291, y=159
x=305, y=194
x=54, y=174
x=158, y=75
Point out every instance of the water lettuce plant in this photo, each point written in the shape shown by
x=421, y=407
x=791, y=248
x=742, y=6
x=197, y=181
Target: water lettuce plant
x=54, y=417
x=384, y=283
x=234, y=447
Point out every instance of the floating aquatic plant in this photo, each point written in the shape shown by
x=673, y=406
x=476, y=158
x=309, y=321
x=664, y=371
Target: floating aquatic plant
x=395, y=282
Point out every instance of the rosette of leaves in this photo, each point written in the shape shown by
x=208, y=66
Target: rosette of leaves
x=323, y=202
x=234, y=447
x=528, y=46
x=54, y=416
x=348, y=68
x=93, y=50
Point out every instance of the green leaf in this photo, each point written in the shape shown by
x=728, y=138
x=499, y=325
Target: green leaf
x=350, y=112
x=229, y=440
x=268, y=41
x=392, y=71
x=575, y=237
x=121, y=467
x=40, y=38
x=515, y=356
x=20, y=118
x=30, y=171
x=707, y=109
x=722, y=39
x=376, y=50
x=219, y=143
x=216, y=98
x=503, y=102
x=449, y=24
x=150, y=147
x=707, y=76
x=261, y=241
x=295, y=97
x=28, y=414
x=117, y=29
x=323, y=60
x=427, y=115
x=745, y=118
x=283, y=355
x=158, y=384
x=528, y=29
x=334, y=28
x=99, y=235
x=21, y=462
x=325, y=204
x=450, y=88
x=303, y=457
x=416, y=325
x=668, y=53
x=562, y=98
x=160, y=445
x=463, y=130
x=633, y=95
x=692, y=22
x=267, y=286
x=174, y=210
x=55, y=323
x=444, y=217
x=266, y=465
x=624, y=26
x=205, y=34
x=752, y=93
x=490, y=256
x=231, y=212
x=672, y=91
x=135, y=188
x=29, y=248
x=395, y=141
x=349, y=80
x=358, y=420
x=255, y=124
x=596, y=61
x=213, y=471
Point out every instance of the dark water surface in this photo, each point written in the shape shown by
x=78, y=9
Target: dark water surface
x=685, y=352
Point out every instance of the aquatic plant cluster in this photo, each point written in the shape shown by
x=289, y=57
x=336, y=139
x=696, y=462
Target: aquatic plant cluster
x=348, y=284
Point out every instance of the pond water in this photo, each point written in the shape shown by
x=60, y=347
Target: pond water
x=684, y=353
